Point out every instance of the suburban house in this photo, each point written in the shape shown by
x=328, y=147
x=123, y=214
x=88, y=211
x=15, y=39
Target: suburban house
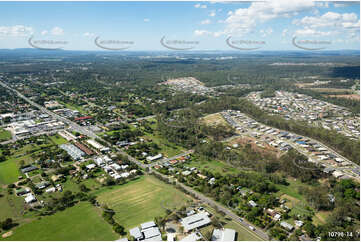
x=153, y=158
x=287, y=226
x=30, y=198
x=252, y=203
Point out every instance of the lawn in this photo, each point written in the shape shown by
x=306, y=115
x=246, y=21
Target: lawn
x=141, y=200
x=81, y=222
x=291, y=189
x=166, y=147
x=57, y=139
x=8, y=172
x=4, y=135
x=11, y=206
x=211, y=165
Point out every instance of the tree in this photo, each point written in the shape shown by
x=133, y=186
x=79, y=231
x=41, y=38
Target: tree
x=2, y=158
x=207, y=235
x=119, y=229
x=7, y=224
x=83, y=188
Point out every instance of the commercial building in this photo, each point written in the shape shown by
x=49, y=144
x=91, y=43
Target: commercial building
x=195, y=221
x=223, y=235
x=73, y=151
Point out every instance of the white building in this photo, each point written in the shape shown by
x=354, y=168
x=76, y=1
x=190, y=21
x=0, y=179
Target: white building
x=223, y=235
x=195, y=221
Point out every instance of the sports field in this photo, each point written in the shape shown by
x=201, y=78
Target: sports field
x=81, y=222
x=141, y=200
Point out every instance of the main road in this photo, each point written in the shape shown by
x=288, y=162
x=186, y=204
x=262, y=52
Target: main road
x=261, y=234
x=72, y=124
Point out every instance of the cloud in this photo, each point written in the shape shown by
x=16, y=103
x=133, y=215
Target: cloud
x=322, y=4
x=330, y=23
x=44, y=32
x=57, y=31
x=88, y=34
x=198, y=5
x=206, y=21
x=344, y=4
x=312, y=32
x=212, y=13
x=243, y=20
x=202, y=32
x=266, y=32
x=16, y=31
x=146, y=20
x=329, y=19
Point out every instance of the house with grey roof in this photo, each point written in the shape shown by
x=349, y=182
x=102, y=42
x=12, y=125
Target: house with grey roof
x=287, y=226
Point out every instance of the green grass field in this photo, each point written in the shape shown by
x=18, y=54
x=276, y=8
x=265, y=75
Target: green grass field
x=8, y=172
x=11, y=205
x=166, y=147
x=141, y=200
x=4, y=135
x=212, y=165
x=81, y=222
x=57, y=139
x=291, y=189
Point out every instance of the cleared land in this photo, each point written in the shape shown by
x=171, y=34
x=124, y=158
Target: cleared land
x=81, y=222
x=211, y=165
x=214, y=120
x=297, y=202
x=335, y=90
x=348, y=96
x=141, y=200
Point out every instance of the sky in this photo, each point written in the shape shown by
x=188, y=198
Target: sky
x=263, y=25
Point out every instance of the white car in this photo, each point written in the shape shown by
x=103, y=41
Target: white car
x=251, y=228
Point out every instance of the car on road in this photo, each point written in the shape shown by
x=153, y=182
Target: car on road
x=240, y=220
x=251, y=228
